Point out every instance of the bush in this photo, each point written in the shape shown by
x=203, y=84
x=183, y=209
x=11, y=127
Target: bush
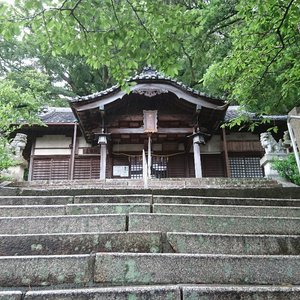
x=288, y=169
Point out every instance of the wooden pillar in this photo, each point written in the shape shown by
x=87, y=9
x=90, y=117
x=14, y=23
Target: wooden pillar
x=102, y=141
x=149, y=157
x=197, y=141
x=145, y=170
x=103, y=152
x=30, y=171
x=73, y=152
x=228, y=172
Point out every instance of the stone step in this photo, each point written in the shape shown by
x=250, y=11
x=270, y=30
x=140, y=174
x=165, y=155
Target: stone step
x=234, y=244
x=113, y=293
x=72, y=209
x=197, y=200
x=164, y=292
x=157, y=199
x=153, y=182
x=233, y=210
x=175, y=190
x=213, y=224
x=134, y=268
x=64, y=200
x=36, y=200
x=148, y=242
x=120, y=269
x=63, y=224
x=11, y=295
x=32, y=210
x=125, y=208
x=126, y=198
x=241, y=292
x=80, y=243
x=50, y=270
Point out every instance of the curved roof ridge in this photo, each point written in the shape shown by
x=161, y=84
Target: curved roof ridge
x=148, y=73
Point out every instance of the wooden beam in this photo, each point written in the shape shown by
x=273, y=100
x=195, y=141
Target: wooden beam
x=139, y=118
x=73, y=152
x=141, y=130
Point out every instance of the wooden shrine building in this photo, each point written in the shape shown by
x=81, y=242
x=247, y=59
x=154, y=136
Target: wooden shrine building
x=104, y=135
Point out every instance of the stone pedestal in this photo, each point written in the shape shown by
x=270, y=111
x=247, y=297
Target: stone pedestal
x=16, y=173
x=266, y=163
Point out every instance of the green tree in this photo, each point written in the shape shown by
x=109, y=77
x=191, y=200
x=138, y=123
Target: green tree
x=244, y=50
x=18, y=106
x=179, y=37
x=262, y=70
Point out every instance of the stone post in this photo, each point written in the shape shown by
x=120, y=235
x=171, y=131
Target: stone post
x=266, y=163
x=296, y=124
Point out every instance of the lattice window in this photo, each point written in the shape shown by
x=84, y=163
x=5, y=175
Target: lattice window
x=245, y=167
x=136, y=167
x=159, y=168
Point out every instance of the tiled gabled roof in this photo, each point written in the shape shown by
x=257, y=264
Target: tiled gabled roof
x=65, y=115
x=148, y=74
x=235, y=111
x=57, y=115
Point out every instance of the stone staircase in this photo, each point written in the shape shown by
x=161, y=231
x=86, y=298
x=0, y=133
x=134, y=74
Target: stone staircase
x=96, y=242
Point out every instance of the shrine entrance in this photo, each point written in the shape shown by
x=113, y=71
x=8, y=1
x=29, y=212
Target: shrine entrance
x=159, y=126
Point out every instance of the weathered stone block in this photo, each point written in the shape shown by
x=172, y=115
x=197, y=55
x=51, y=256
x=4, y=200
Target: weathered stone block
x=11, y=295
x=231, y=210
x=35, y=200
x=107, y=208
x=242, y=292
x=119, y=293
x=30, y=271
x=129, y=269
x=129, y=198
x=213, y=224
x=60, y=224
x=234, y=244
x=226, y=201
x=77, y=243
x=31, y=210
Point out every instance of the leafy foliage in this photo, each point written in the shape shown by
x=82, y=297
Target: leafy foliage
x=262, y=70
x=246, y=50
x=178, y=37
x=5, y=157
x=288, y=169
x=18, y=106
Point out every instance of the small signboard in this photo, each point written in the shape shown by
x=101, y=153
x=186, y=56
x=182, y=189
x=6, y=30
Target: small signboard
x=150, y=121
x=121, y=171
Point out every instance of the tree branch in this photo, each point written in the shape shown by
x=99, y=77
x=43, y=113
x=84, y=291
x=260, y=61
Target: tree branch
x=215, y=29
x=140, y=21
x=278, y=32
x=282, y=21
x=115, y=12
